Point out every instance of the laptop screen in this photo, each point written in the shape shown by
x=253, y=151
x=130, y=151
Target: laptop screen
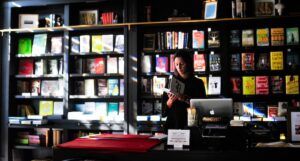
x=213, y=107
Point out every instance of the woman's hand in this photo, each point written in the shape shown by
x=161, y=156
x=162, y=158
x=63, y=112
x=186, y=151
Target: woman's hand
x=171, y=100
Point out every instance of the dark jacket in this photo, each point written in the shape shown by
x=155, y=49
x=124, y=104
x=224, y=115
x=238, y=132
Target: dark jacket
x=177, y=114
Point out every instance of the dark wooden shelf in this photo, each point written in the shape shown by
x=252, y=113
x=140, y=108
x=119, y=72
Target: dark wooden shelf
x=44, y=55
x=87, y=75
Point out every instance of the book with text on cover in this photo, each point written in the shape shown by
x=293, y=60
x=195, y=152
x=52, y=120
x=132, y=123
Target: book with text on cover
x=176, y=87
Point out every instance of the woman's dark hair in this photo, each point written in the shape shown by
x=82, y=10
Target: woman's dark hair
x=186, y=57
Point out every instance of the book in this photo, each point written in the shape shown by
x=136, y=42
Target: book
x=99, y=66
x=119, y=44
x=112, y=64
x=88, y=17
x=272, y=111
x=247, y=61
x=25, y=67
x=52, y=67
x=122, y=87
x=292, y=84
x=214, y=85
x=97, y=44
x=89, y=87
x=159, y=83
x=198, y=39
x=199, y=63
x=45, y=108
x=28, y=20
x=215, y=62
x=247, y=38
x=78, y=87
x=147, y=108
x=39, y=44
x=276, y=60
x=107, y=41
x=235, y=62
x=214, y=39
x=263, y=61
x=237, y=108
x=121, y=65
x=247, y=109
x=157, y=107
x=282, y=109
x=146, y=85
x=35, y=87
x=75, y=44
x=39, y=66
x=101, y=110
x=260, y=109
x=235, y=40
x=113, y=87
x=112, y=109
x=57, y=45
x=162, y=64
x=262, y=37
x=277, y=36
x=102, y=87
x=50, y=88
x=78, y=62
x=175, y=86
x=149, y=42
x=172, y=65
x=146, y=63
x=292, y=36
x=262, y=85
x=236, y=83
x=25, y=46
x=23, y=88
x=58, y=108
x=84, y=43
x=248, y=85
x=204, y=80
x=292, y=60
x=277, y=83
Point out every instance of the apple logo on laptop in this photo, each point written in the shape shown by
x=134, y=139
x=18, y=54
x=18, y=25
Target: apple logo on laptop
x=211, y=112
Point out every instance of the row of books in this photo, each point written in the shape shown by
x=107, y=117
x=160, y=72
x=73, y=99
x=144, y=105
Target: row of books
x=39, y=87
x=165, y=64
x=151, y=107
x=39, y=45
x=264, y=85
x=103, y=111
x=155, y=85
x=260, y=109
x=101, y=65
x=40, y=66
x=45, y=108
x=97, y=43
x=275, y=60
x=179, y=40
x=100, y=87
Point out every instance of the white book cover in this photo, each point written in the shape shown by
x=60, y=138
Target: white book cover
x=39, y=44
x=146, y=63
x=56, y=45
x=39, y=67
x=159, y=83
x=52, y=67
x=85, y=43
x=121, y=65
x=112, y=63
x=58, y=108
x=101, y=110
x=119, y=44
x=50, y=88
x=214, y=85
x=89, y=87
x=108, y=43
x=90, y=108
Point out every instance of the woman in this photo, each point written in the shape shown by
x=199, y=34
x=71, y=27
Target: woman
x=175, y=106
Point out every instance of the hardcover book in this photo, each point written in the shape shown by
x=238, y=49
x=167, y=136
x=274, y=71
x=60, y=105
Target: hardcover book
x=113, y=87
x=272, y=111
x=121, y=65
x=263, y=62
x=260, y=109
x=162, y=64
x=198, y=39
x=248, y=38
x=215, y=62
x=52, y=66
x=262, y=37
x=89, y=87
x=99, y=66
x=119, y=44
x=57, y=45
x=292, y=60
x=247, y=61
x=108, y=44
x=102, y=87
x=25, y=67
x=236, y=83
x=97, y=44
x=39, y=44
x=25, y=46
x=277, y=36
x=292, y=84
x=113, y=109
x=247, y=109
x=35, y=87
x=214, y=85
x=292, y=36
x=158, y=84
x=75, y=44
x=248, y=85
x=235, y=40
x=262, y=85
x=46, y=108
x=199, y=63
x=50, y=88
x=276, y=60
x=282, y=109
x=235, y=62
x=214, y=39
x=112, y=63
x=39, y=66
x=84, y=43
x=101, y=110
x=58, y=108
x=146, y=63
x=277, y=83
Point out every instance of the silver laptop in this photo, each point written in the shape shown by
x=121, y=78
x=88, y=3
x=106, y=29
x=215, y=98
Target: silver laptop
x=213, y=107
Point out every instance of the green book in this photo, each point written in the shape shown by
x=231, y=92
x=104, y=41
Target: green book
x=25, y=46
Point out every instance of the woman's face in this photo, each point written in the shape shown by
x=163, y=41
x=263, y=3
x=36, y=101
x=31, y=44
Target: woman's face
x=180, y=66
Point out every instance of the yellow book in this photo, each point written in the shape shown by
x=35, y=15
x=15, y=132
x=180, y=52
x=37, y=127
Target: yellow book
x=46, y=108
x=248, y=85
x=204, y=79
x=292, y=84
x=97, y=46
x=276, y=60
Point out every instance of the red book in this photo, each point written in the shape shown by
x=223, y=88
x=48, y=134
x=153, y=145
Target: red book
x=99, y=65
x=26, y=67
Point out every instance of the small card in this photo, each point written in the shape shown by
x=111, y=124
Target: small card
x=178, y=138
